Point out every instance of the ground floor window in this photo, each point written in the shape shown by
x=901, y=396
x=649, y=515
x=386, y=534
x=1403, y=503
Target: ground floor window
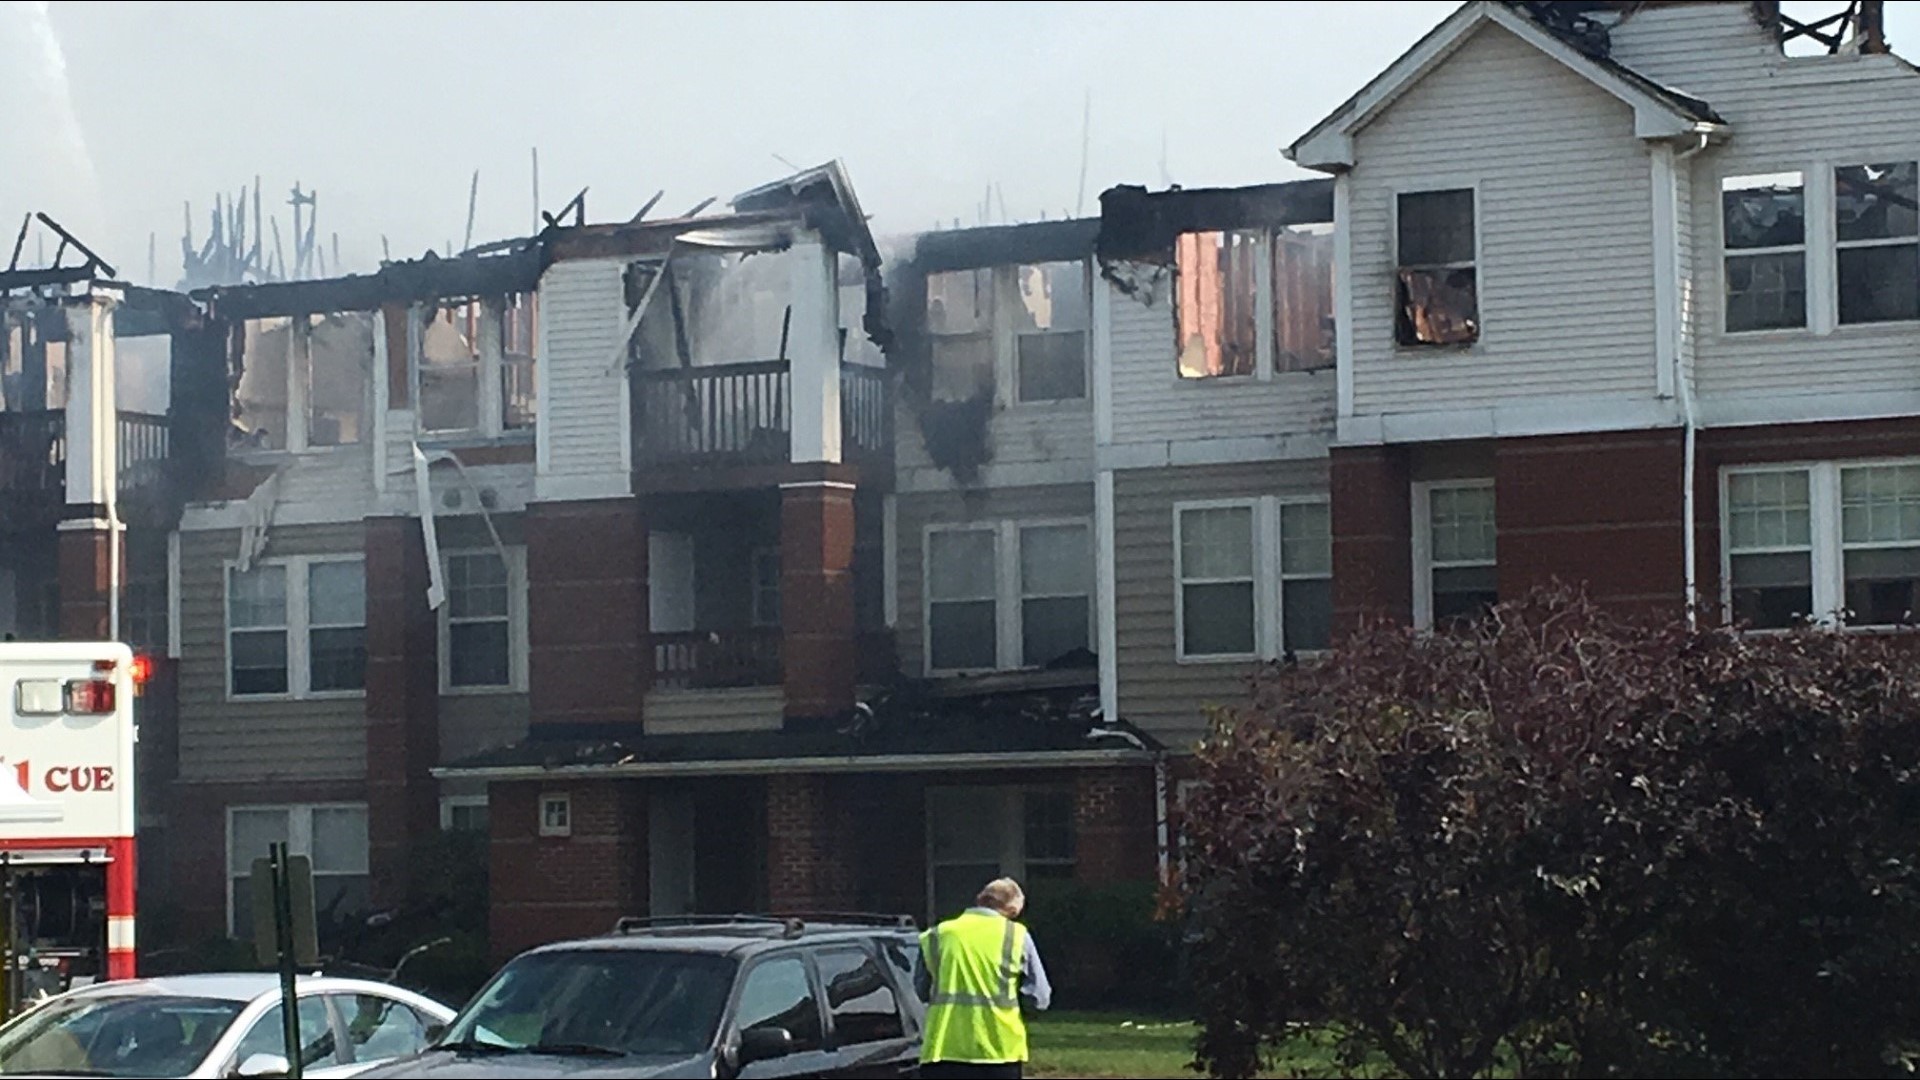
x=334, y=835
x=978, y=833
x=463, y=813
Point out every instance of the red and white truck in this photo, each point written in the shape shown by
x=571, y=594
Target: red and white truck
x=67, y=861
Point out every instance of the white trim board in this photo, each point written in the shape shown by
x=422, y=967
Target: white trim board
x=1048, y=759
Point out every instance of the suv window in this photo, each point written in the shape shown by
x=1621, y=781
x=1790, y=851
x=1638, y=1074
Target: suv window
x=859, y=997
x=776, y=994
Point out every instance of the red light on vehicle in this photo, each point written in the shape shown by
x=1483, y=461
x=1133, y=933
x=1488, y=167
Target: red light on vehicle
x=142, y=671
x=90, y=697
x=103, y=666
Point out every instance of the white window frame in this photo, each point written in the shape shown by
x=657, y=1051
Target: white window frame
x=1423, y=564
x=1008, y=606
x=449, y=803
x=1827, y=555
x=490, y=371
x=1012, y=824
x=1269, y=578
x=299, y=840
x=298, y=629
x=555, y=800
x=1813, y=207
x=1437, y=185
x=299, y=359
x=1007, y=305
x=1898, y=157
x=517, y=644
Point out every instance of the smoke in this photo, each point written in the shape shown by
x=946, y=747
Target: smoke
x=52, y=146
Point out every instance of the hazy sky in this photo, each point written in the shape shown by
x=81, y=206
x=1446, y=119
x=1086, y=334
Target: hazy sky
x=387, y=109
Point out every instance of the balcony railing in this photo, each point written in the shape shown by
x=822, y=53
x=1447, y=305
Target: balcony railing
x=743, y=413
x=33, y=451
x=716, y=659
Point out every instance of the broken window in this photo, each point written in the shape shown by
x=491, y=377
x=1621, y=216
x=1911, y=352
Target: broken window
x=1878, y=234
x=260, y=404
x=855, y=346
x=339, y=363
x=450, y=368
x=519, y=344
x=1303, y=320
x=33, y=361
x=1766, y=251
x=142, y=369
x=1438, y=292
x=960, y=326
x=1215, y=319
x=1051, y=336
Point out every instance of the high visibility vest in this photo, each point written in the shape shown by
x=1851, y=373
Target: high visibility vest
x=975, y=960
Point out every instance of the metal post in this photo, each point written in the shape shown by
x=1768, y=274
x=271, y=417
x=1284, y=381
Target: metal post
x=10, y=891
x=283, y=940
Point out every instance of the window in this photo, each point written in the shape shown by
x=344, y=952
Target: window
x=450, y=368
x=1216, y=293
x=961, y=596
x=960, y=326
x=1438, y=301
x=1217, y=583
x=334, y=836
x=257, y=629
x=1051, y=335
x=859, y=998
x=1765, y=227
x=1828, y=541
x=556, y=815
x=1877, y=230
x=337, y=626
x=380, y=1028
x=481, y=630
x=1306, y=577
x=297, y=627
x=143, y=614
x=322, y=361
x=778, y=994
x=766, y=587
x=339, y=370
x=978, y=833
x=520, y=343
x=1304, y=336
x=318, y=1047
x=1007, y=594
x=464, y=813
x=1454, y=543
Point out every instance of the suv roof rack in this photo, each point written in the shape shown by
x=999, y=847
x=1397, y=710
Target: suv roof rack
x=787, y=924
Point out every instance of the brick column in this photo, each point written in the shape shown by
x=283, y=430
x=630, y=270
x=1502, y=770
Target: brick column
x=817, y=639
x=86, y=538
x=403, y=702
x=548, y=888
x=1113, y=825
x=592, y=660
x=86, y=560
x=1372, y=535
x=810, y=843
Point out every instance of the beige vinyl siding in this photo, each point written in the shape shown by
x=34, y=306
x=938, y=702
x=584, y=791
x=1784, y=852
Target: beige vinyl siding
x=581, y=311
x=1152, y=404
x=252, y=741
x=918, y=510
x=470, y=723
x=1157, y=691
x=691, y=712
x=1563, y=222
x=1787, y=113
x=1058, y=435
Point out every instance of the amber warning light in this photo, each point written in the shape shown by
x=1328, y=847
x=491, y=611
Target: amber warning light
x=141, y=671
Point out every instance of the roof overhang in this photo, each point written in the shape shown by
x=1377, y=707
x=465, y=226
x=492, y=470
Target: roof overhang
x=1328, y=147
x=867, y=763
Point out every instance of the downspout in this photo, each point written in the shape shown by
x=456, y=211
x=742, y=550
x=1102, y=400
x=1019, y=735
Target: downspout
x=1160, y=812
x=1690, y=425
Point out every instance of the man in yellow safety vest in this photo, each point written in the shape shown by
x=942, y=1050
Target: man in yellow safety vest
x=974, y=970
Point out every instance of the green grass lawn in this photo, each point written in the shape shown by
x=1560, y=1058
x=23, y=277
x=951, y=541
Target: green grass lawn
x=1118, y=1044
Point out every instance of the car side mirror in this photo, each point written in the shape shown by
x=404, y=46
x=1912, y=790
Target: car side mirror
x=764, y=1044
x=259, y=1066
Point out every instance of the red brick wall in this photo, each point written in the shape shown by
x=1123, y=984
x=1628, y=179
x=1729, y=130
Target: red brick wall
x=1600, y=511
x=816, y=598
x=86, y=560
x=402, y=703
x=1372, y=535
x=810, y=845
x=1116, y=834
x=552, y=888
x=591, y=658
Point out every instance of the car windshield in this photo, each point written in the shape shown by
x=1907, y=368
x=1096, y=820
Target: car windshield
x=115, y=1035
x=604, y=1001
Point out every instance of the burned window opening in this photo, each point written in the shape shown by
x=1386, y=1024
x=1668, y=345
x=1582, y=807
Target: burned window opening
x=959, y=320
x=1050, y=338
x=450, y=367
x=1764, y=229
x=1305, y=336
x=1216, y=291
x=338, y=364
x=1437, y=300
x=1877, y=232
x=260, y=398
x=33, y=360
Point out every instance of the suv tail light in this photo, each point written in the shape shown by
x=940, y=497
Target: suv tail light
x=90, y=697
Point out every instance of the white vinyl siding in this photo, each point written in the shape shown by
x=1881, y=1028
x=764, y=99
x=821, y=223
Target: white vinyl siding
x=584, y=396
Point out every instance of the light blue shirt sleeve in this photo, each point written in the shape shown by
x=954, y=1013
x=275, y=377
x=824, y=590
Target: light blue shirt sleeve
x=923, y=971
x=1033, y=977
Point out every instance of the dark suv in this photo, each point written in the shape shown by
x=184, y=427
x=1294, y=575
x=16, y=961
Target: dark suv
x=732, y=997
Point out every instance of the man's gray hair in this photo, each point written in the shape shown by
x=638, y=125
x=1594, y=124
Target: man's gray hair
x=1003, y=895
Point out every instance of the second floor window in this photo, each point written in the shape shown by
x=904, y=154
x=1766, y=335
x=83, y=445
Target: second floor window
x=1877, y=233
x=479, y=626
x=1050, y=339
x=1765, y=229
x=1008, y=594
x=297, y=627
x=1437, y=291
x=1254, y=578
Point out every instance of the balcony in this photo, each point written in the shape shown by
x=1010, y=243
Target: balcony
x=742, y=414
x=716, y=659
x=33, y=454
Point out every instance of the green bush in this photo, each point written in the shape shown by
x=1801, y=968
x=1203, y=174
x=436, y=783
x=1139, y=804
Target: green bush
x=1103, y=946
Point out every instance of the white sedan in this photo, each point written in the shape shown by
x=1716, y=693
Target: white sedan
x=217, y=1026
